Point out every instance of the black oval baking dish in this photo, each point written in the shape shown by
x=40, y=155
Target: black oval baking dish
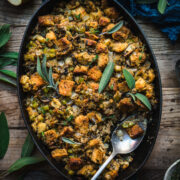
x=143, y=151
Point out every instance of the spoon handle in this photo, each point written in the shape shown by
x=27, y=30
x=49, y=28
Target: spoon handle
x=104, y=165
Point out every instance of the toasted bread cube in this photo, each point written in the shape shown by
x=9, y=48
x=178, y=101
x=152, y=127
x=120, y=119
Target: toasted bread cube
x=50, y=137
x=101, y=48
x=36, y=80
x=108, y=27
x=81, y=69
x=86, y=171
x=47, y=20
x=65, y=87
x=90, y=42
x=92, y=24
x=75, y=163
x=84, y=58
x=59, y=153
x=94, y=116
x=104, y=21
x=93, y=142
x=113, y=84
x=140, y=84
x=119, y=47
x=82, y=123
x=91, y=36
x=126, y=105
x=80, y=10
x=111, y=175
x=97, y=156
x=41, y=127
x=51, y=35
x=94, y=85
x=111, y=12
x=66, y=130
x=94, y=73
x=135, y=131
x=121, y=34
x=137, y=58
x=102, y=60
x=123, y=87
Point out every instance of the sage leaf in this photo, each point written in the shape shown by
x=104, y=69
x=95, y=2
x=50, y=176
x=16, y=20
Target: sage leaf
x=129, y=79
x=4, y=34
x=9, y=73
x=44, y=69
x=7, y=81
x=6, y=62
x=144, y=100
x=4, y=135
x=22, y=162
x=106, y=76
x=133, y=96
x=146, y=1
x=66, y=140
x=39, y=70
x=51, y=81
x=27, y=147
x=162, y=6
x=115, y=28
x=9, y=55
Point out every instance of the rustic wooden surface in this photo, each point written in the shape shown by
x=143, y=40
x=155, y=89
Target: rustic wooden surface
x=167, y=147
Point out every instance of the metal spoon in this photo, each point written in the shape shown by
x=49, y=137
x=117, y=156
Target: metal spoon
x=124, y=146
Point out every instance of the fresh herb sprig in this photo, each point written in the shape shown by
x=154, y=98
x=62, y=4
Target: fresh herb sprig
x=67, y=140
x=6, y=58
x=117, y=27
x=131, y=84
x=47, y=76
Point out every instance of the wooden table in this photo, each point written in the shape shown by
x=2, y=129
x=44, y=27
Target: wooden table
x=167, y=147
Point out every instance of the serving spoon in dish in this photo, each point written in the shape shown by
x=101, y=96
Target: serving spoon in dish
x=123, y=144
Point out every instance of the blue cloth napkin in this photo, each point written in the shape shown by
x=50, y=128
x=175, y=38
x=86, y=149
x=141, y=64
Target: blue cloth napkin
x=169, y=22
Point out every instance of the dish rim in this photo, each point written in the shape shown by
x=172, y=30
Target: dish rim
x=19, y=89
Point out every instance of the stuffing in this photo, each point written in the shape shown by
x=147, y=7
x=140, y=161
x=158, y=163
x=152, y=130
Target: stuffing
x=47, y=20
x=65, y=87
x=97, y=156
x=50, y=137
x=123, y=87
x=119, y=47
x=58, y=154
x=140, y=84
x=75, y=163
x=135, y=131
x=36, y=81
x=137, y=58
x=94, y=86
x=110, y=175
x=113, y=84
x=104, y=21
x=101, y=48
x=80, y=11
x=81, y=69
x=87, y=170
x=94, y=73
x=108, y=27
x=90, y=42
x=121, y=34
x=51, y=35
x=66, y=131
x=94, y=117
x=91, y=36
x=41, y=127
x=82, y=124
x=93, y=142
x=73, y=4
x=102, y=60
x=131, y=48
x=84, y=58
x=126, y=105
x=111, y=12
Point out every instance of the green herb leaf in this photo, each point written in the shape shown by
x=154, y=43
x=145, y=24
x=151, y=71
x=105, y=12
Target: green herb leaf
x=78, y=17
x=9, y=55
x=129, y=79
x=7, y=81
x=162, y=6
x=144, y=100
x=51, y=81
x=4, y=134
x=9, y=73
x=115, y=28
x=133, y=96
x=106, y=74
x=146, y=1
x=66, y=140
x=44, y=69
x=6, y=62
x=27, y=147
x=94, y=31
x=70, y=118
x=20, y=163
x=39, y=70
x=4, y=34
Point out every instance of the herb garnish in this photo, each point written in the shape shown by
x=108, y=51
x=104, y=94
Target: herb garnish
x=78, y=17
x=131, y=84
x=107, y=73
x=115, y=28
x=94, y=31
x=94, y=59
x=66, y=140
x=42, y=71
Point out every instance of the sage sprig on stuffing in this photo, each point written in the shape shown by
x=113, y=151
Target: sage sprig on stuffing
x=47, y=76
x=131, y=84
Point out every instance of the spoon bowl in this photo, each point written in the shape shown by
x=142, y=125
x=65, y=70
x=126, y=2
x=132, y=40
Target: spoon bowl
x=123, y=143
